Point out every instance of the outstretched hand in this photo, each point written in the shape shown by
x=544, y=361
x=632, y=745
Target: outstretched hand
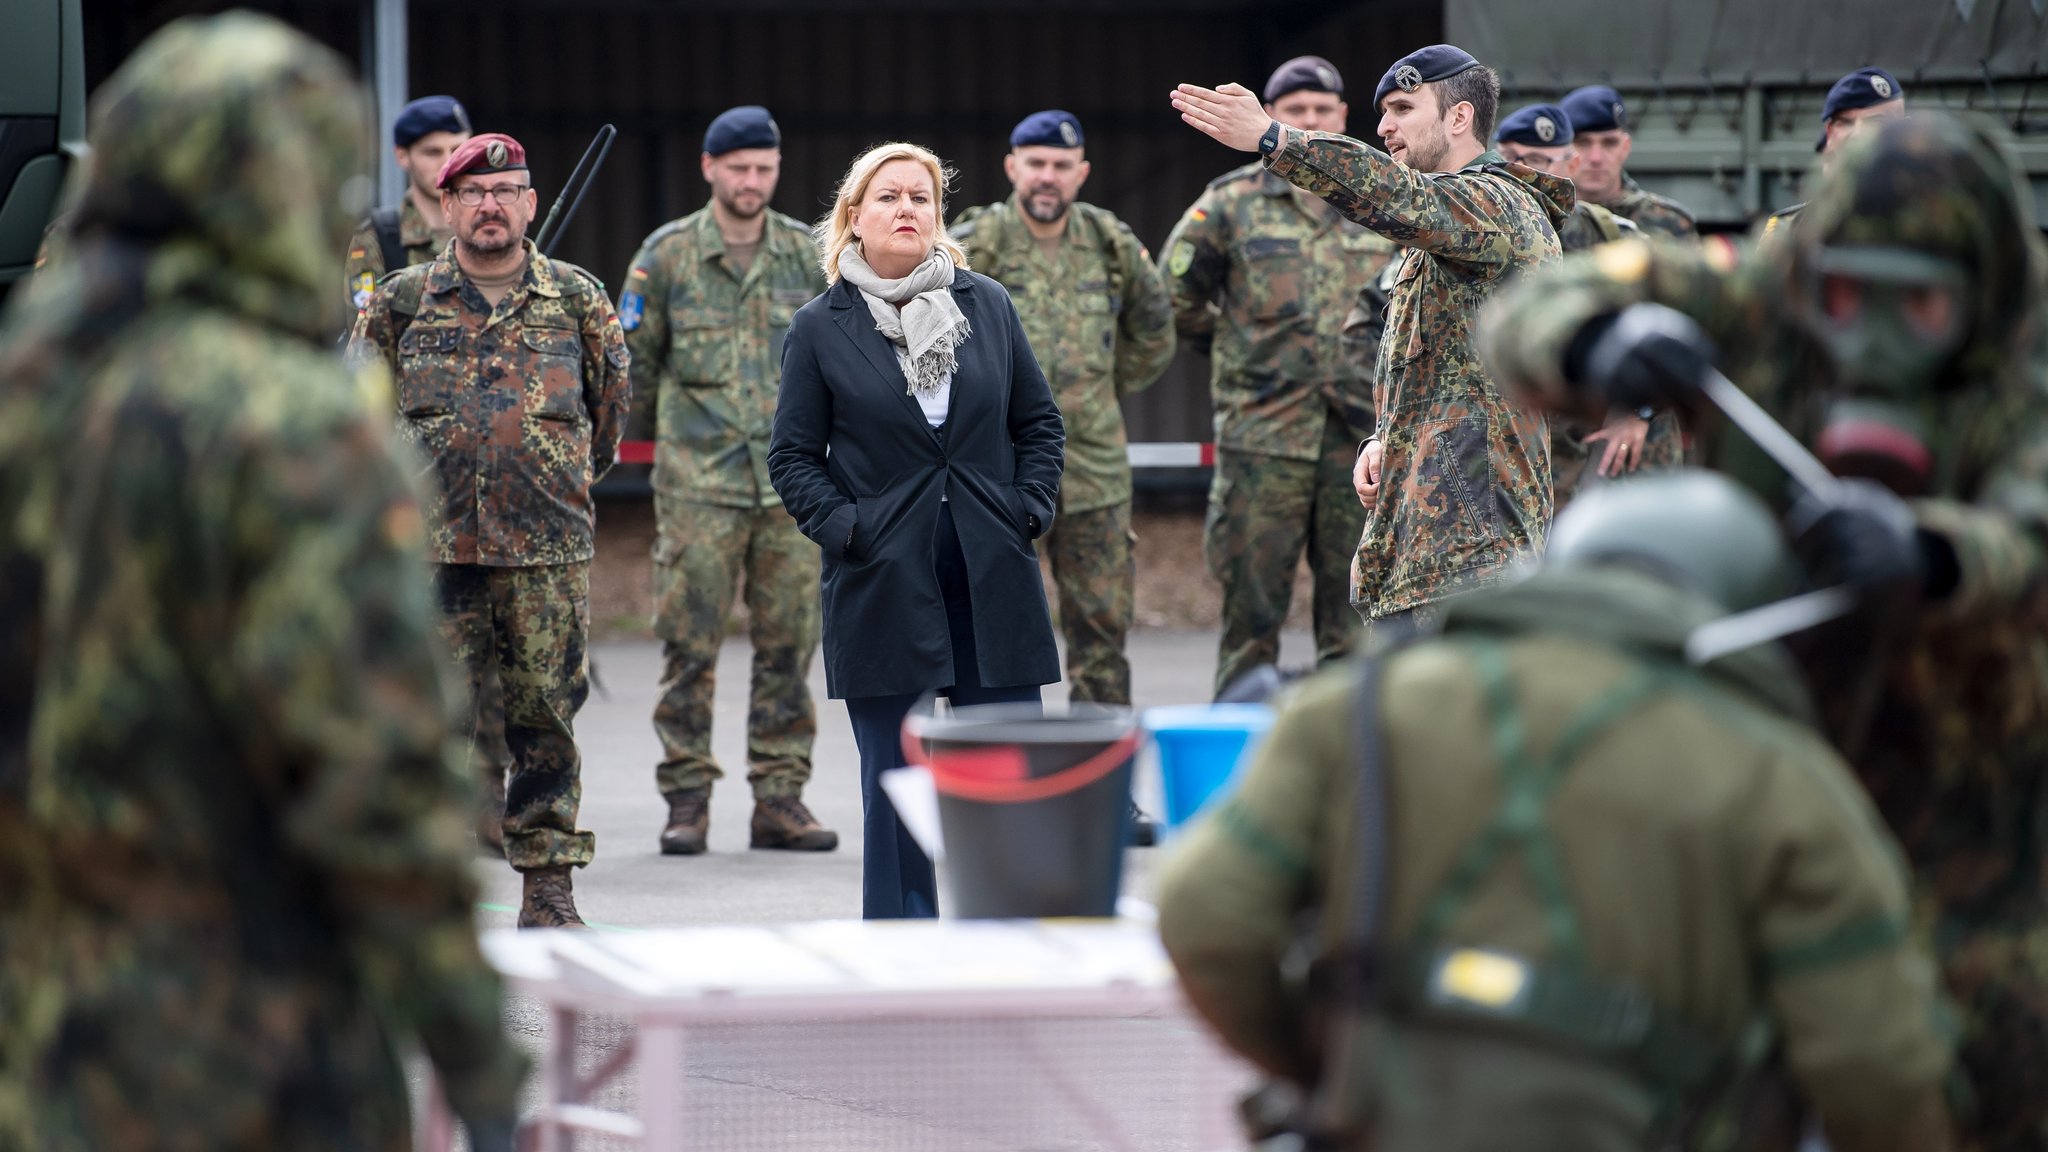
x=1231, y=114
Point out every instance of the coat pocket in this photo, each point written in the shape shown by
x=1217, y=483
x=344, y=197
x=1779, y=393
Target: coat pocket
x=554, y=383
x=1452, y=494
x=430, y=367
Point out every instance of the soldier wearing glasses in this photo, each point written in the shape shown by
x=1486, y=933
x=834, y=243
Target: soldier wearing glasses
x=510, y=370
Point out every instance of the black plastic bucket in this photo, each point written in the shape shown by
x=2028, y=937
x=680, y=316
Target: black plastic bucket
x=1035, y=809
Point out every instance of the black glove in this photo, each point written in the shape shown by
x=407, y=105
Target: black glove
x=1863, y=536
x=1644, y=356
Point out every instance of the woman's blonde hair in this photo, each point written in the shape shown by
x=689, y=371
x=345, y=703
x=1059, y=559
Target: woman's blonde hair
x=835, y=231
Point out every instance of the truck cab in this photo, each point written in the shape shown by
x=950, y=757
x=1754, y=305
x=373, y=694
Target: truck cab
x=42, y=122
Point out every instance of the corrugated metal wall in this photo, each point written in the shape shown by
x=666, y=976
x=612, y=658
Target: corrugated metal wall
x=954, y=76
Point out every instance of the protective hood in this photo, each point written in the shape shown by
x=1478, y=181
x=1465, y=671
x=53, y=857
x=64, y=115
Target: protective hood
x=230, y=151
x=1946, y=187
x=1630, y=609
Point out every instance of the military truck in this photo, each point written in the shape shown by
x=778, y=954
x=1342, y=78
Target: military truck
x=1725, y=97
x=42, y=122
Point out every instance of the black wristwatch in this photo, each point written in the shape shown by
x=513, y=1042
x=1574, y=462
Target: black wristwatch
x=1270, y=142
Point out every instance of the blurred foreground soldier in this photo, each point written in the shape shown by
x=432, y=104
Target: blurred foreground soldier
x=1457, y=480
x=1601, y=873
x=1859, y=101
x=1261, y=274
x=1600, y=124
x=242, y=780
x=511, y=376
x=1891, y=332
x=705, y=307
x=1100, y=322
x=1540, y=135
x=426, y=133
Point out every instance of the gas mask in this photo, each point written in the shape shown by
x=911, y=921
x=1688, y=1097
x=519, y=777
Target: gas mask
x=1892, y=320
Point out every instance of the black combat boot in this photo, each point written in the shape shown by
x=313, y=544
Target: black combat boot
x=549, y=901
x=689, y=821
x=784, y=822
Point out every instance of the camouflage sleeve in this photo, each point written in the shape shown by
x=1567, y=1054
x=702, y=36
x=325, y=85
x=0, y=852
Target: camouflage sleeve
x=1230, y=896
x=607, y=379
x=643, y=316
x=1450, y=217
x=1853, y=993
x=337, y=651
x=1526, y=329
x=1144, y=345
x=363, y=267
x=1196, y=266
x=375, y=335
x=2000, y=542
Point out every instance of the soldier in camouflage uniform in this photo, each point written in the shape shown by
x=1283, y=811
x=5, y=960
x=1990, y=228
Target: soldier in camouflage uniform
x=1457, y=479
x=1857, y=102
x=705, y=307
x=1101, y=324
x=511, y=378
x=1600, y=123
x=426, y=132
x=242, y=778
x=1894, y=331
x=1602, y=865
x=1540, y=136
x=1261, y=276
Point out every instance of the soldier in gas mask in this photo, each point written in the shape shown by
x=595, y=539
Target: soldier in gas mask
x=1894, y=331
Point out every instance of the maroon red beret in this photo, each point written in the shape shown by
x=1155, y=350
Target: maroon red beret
x=482, y=155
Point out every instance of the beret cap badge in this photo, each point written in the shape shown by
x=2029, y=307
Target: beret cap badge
x=1068, y=134
x=1881, y=86
x=1409, y=77
x=1546, y=129
x=495, y=154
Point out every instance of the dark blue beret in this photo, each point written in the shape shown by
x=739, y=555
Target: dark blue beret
x=1595, y=108
x=1051, y=128
x=428, y=114
x=1303, y=74
x=1863, y=88
x=1536, y=126
x=747, y=126
x=1424, y=66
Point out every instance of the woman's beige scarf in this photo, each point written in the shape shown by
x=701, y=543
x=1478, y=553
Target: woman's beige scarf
x=927, y=328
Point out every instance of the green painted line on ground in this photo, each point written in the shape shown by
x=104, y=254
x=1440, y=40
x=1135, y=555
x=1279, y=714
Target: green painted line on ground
x=588, y=923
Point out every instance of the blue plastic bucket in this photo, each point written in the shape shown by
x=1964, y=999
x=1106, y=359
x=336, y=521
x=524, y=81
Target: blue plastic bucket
x=1201, y=747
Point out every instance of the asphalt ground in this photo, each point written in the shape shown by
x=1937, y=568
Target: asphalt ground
x=820, y=1088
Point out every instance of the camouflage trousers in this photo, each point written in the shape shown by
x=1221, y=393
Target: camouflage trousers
x=1264, y=512
x=1572, y=465
x=702, y=555
x=1095, y=568
x=490, y=758
x=1998, y=982
x=536, y=621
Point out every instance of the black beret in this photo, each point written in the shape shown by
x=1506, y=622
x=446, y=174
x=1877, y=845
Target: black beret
x=1424, y=66
x=1595, y=108
x=1051, y=128
x=1303, y=74
x=747, y=126
x=428, y=114
x=1536, y=126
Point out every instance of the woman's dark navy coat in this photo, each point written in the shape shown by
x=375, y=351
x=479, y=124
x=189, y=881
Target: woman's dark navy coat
x=872, y=501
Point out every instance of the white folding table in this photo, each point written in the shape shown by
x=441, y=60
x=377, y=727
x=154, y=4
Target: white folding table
x=855, y=975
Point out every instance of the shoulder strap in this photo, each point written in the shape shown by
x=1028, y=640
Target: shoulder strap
x=1356, y=991
x=385, y=222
